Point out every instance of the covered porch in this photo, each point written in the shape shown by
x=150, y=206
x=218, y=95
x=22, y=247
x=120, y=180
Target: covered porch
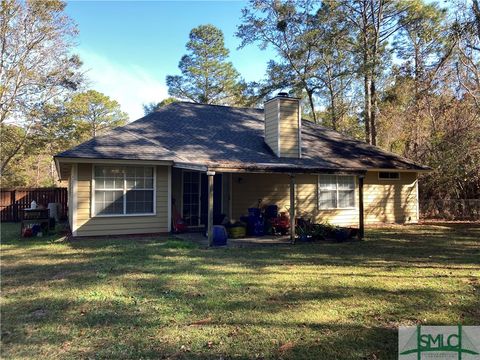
x=201, y=196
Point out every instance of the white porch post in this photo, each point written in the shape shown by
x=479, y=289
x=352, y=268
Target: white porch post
x=292, y=208
x=210, y=176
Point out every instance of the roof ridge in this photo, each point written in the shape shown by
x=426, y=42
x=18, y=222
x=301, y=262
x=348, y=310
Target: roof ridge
x=225, y=106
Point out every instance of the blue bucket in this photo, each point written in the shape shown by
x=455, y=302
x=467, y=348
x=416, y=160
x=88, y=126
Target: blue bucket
x=254, y=212
x=219, y=235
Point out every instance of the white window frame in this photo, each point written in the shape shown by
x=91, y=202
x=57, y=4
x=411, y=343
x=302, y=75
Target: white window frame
x=336, y=180
x=92, y=205
x=389, y=179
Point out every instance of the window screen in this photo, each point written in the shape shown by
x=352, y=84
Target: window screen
x=123, y=190
x=328, y=192
x=336, y=192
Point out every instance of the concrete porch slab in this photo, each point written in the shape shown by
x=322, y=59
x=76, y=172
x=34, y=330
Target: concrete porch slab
x=253, y=241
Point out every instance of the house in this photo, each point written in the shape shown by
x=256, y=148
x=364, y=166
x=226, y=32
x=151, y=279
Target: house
x=202, y=160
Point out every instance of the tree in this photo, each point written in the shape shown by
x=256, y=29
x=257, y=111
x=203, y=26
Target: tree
x=430, y=111
x=374, y=23
x=421, y=44
x=36, y=64
x=10, y=136
x=152, y=107
x=93, y=113
x=421, y=39
x=334, y=64
x=207, y=77
x=288, y=29
x=59, y=126
x=466, y=32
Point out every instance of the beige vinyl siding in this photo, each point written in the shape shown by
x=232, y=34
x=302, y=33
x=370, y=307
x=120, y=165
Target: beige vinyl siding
x=388, y=201
x=282, y=126
x=119, y=225
x=275, y=189
x=271, y=125
x=289, y=141
x=247, y=189
x=70, y=196
x=384, y=201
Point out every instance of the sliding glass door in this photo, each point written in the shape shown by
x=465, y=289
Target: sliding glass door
x=191, y=198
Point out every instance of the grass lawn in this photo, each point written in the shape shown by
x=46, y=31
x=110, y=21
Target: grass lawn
x=158, y=298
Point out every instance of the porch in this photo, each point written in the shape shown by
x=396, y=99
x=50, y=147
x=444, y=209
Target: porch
x=202, y=198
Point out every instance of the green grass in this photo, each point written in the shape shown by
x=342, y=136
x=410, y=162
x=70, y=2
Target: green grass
x=159, y=298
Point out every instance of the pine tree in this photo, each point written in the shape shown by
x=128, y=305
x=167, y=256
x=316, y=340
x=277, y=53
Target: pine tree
x=207, y=77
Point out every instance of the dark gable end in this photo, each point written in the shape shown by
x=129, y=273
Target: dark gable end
x=222, y=136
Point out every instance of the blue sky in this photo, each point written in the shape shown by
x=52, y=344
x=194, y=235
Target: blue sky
x=128, y=47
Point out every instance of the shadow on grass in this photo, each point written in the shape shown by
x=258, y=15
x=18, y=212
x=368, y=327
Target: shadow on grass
x=124, y=330
x=112, y=298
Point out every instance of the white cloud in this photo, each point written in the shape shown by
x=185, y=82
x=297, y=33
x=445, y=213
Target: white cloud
x=130, y=85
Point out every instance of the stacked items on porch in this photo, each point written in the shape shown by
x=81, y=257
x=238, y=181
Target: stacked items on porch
x=260, y=222
x=255, y=222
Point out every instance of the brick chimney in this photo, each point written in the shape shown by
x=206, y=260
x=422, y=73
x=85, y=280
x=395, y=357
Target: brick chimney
x=283, y=125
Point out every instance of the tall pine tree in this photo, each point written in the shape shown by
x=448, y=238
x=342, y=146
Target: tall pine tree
x=207, y=77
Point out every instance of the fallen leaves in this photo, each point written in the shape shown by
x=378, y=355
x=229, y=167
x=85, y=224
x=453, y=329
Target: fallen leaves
x=201, y=322
x=234, y=332
x=287, y=346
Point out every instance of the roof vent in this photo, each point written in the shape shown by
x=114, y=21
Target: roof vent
x=282, y=94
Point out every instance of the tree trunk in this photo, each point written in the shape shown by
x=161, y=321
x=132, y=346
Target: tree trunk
x=52, y=173
x=373, y=117
x=312, y=105
x=94, y=127
x=368, y=108
x=37, y=179
x=367, y=80
x=333, y=111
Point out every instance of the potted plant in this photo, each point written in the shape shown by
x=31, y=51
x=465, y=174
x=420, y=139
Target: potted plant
x=324, y=231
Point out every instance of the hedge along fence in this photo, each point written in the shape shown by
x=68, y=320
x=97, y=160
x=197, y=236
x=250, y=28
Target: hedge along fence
x=12, y=201
x=451, y=209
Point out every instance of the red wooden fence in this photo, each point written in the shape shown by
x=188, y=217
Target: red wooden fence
x=14, y=200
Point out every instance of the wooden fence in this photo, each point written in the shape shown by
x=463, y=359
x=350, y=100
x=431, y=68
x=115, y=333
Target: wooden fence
x=14, y=200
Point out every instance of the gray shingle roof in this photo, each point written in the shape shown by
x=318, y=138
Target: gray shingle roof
x=222, y=136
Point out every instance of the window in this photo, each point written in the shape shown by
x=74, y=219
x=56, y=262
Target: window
x=123, y=190
x=336, y=192
x=385, y=175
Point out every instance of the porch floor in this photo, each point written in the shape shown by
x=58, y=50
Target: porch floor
x=251, y=241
